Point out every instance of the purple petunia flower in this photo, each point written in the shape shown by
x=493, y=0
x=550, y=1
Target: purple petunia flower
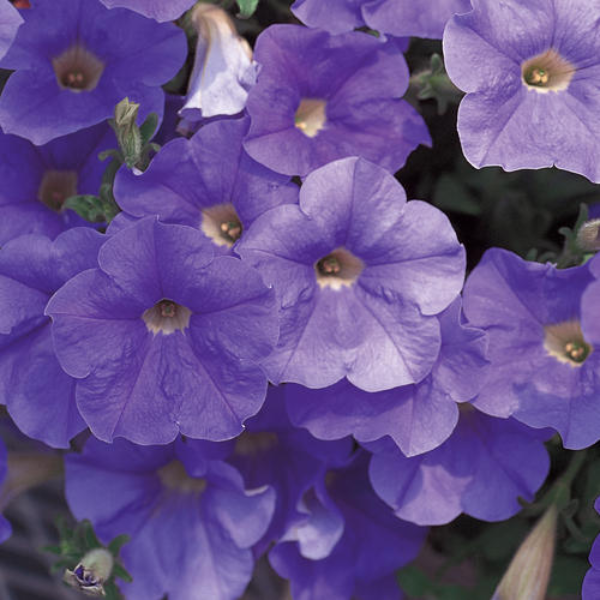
x=591, y=583
x=319, y=98
x=482, y=470
x=223, y=69
x=192, y=522
x=10, y=21
x=38, y=179
x=360, y=274
x=271, y=451
x=165, y=337
x=348, y=543
x=531, y=77
x=78, y=59
x=417, y=417
x=208, y=182
x=155, y=9
x=543, y=370
x=426, y=18
x=39, y=395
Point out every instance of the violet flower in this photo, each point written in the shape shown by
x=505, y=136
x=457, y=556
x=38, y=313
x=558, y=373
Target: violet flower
x=425, y=18
x=591, y=583
x=10, y=21
x=78, y=59
x=154, y=9
x=36, y=180
x=348, y=543
x=39, y=395
x=191, y=521
x=482, y=470
x=417, y=417
x=360, y=275
x=543, y=371
x=530, y=71
x=208, y=182
x=320, y=97
x=223, y=69
x=164, y=337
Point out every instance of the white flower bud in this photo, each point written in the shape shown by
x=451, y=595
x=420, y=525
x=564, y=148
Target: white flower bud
x=91, y=573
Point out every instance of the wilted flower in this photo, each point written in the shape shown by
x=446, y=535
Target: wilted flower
x=223, y=70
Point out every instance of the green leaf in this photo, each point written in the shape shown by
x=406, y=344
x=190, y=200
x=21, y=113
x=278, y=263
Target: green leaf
x=90, y=538
x=121, y=573
x=115, y=546
x=247, y=8
x=111, y=591
x=87, y=207
x=148, y=128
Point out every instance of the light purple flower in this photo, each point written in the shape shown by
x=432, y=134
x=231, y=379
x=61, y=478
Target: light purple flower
x=208, y=182
x=417, y=417
x=160, y=10
x=10, y=21
x=425, y=18
x=348, y=543
x=543, y=371
x=482, y=470
x=359, y=274
x=39, y=395
x=78, y=59
x=165, y=337
x=36, y=180
x=223, y=69
x=319, y=98
x=531, y=72
x=271, y=451
x=191, y=521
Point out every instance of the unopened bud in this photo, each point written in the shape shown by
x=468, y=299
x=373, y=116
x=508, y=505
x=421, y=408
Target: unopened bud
x=127, y=131
x=588, y=236
x=94, y=569
x=528, y=574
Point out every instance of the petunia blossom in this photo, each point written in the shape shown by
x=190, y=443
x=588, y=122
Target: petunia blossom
x=78, y=59
x=425, y=18
x=360, y=275
x=543, y=371
x=39, y=395
x=38, y=179
x=482, y=470
x=417, y=417
x=155, y=9
x=208, y=182
x=165, y=337
x=319, y=98
x=190, y=518
x=530, y=71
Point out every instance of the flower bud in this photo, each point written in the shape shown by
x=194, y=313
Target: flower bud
x=223, y=69
x=528, y=574
x=91, y=573
x=127, y=131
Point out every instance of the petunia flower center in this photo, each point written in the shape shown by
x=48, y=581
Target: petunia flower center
x=173, y=476
x=221, y=224
x=565, y=342
x=310, y=117
x=167, y=317
x=250, y=444
x=56, y=186
x=547, y=72
x=338, y=269
x=77, y=69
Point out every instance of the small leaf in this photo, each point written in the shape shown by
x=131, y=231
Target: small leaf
x=87, y=207
x=247, y=8
x=115, y=546
x=148, y=128
x=121, y=573
x=89, y=536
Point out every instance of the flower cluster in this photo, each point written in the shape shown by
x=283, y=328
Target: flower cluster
x=269, y=347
